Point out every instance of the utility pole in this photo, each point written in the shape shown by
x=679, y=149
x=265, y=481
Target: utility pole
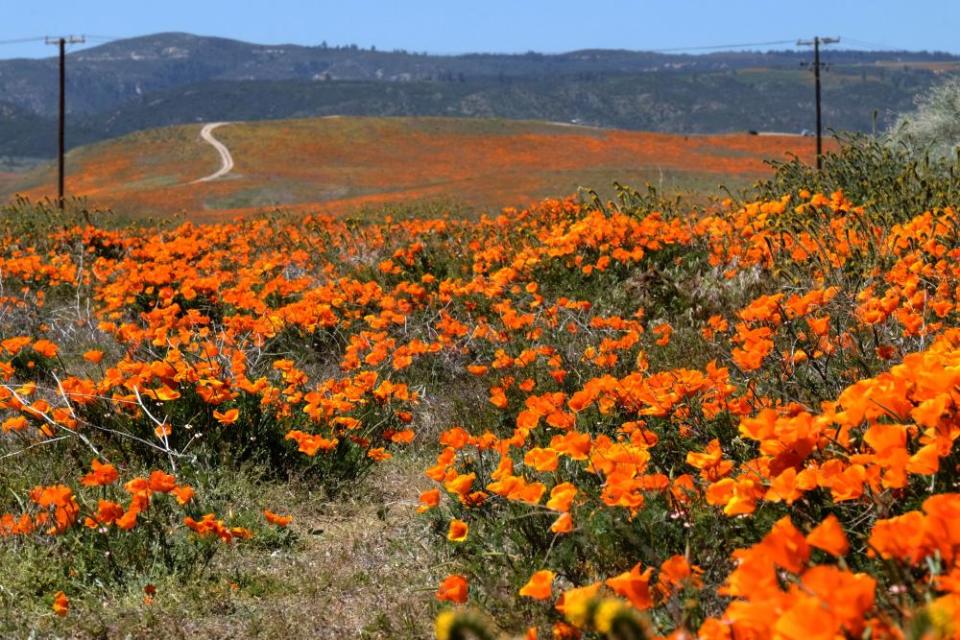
x=62, y=42
x=816, y=42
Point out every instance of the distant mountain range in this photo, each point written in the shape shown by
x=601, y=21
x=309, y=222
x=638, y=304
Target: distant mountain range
x=172, y=78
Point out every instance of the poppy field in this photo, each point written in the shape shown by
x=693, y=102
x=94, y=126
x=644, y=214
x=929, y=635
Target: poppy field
x=345, y=164
x=625, y=419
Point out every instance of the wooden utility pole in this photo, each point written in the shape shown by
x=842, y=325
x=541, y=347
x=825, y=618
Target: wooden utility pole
x=62, y=43
x=816, y=42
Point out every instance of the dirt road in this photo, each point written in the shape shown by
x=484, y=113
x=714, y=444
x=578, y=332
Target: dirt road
x=226, y=160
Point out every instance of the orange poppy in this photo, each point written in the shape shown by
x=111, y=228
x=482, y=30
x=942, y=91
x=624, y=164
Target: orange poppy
x=61, y=604
x=454, y=588
x=277, y=519
x=230, y=416
x=634, y=585
x=458, y=531
x=829, y=536
x=428, y=500
x=540, y=585
x=45, y=348
x=101, y=475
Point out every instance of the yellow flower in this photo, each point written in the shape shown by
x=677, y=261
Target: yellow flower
x=607, y=610
x=943, y=612
x=444, y=623
x=575, y=604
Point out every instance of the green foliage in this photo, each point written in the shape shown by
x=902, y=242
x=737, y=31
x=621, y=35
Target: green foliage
x=890, y=181
x=29, y=222
x=37, y=224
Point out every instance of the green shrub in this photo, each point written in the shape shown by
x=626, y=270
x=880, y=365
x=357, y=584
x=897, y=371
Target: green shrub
x=890, y=180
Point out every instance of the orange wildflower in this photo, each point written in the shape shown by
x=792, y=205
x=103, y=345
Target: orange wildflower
x=561, y=497
x=541, y=459
x=540, y=585
x=230, y=416
x=428, y=500
x=45, y=348
x=634, y=585
x=454, y=588
x=458, y=531
x=61, y=604
x=15, y=423
x=563, y=524
x=108, y=512
x=277, y=519
x=183, y=493
x=162, y=482
x=829, y=536
x=101, y=475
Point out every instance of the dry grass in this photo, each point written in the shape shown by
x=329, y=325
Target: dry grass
x=9, y=180
x=359, y=568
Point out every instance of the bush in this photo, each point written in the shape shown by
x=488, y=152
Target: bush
x=890, y=181
x=933, y=129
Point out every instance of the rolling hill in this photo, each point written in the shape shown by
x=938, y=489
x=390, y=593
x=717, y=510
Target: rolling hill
x=175, y=78
x=343, y=164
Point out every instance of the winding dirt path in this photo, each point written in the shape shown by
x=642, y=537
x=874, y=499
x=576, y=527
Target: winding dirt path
x=226, y=160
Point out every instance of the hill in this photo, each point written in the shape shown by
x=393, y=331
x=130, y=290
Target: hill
x=176, y=78
x=566, y=421
x=342, y=164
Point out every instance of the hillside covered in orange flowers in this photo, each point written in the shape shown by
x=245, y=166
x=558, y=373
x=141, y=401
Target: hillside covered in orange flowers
x=639, y=418
x=347, y=164
x=721, y=418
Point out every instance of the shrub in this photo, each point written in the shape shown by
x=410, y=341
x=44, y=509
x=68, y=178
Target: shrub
x=933, y=129
x=890, y=181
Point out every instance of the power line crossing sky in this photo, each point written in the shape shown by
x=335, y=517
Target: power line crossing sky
x=445, y=26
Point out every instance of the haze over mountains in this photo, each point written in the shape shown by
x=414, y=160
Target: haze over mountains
x=174, y=78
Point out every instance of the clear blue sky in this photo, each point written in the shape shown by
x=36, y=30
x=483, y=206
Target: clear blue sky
x=455, y=26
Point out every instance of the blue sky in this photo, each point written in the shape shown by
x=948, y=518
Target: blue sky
x=456, y=26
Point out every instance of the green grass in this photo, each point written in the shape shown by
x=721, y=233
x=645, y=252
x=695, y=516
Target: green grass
x=345, y=568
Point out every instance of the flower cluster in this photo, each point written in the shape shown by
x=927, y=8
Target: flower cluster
x=739, y=423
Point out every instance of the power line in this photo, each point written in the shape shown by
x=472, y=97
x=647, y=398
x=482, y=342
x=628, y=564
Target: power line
x=23, y=40
x=717, y=47
x=28, y=40
x=107, y=38
x=874, y=45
